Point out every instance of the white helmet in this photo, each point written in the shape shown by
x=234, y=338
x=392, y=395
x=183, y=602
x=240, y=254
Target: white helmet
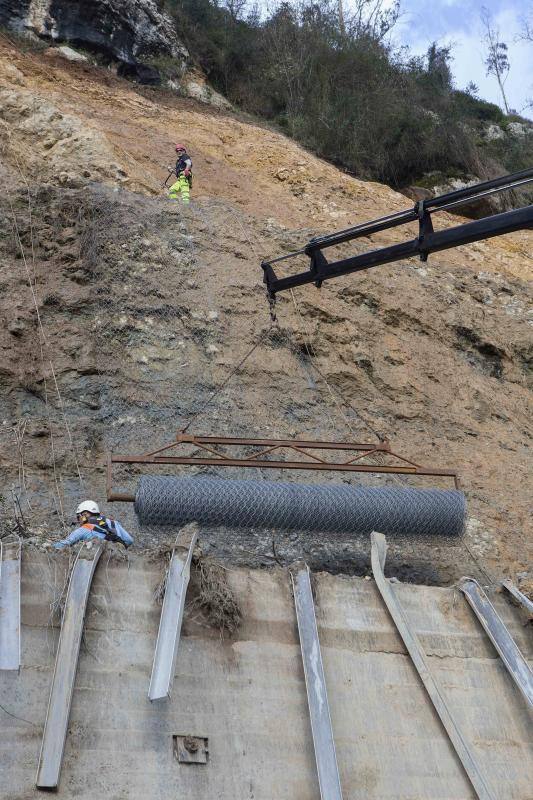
x=88, y=505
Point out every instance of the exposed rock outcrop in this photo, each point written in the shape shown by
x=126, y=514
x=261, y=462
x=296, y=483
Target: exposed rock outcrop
x=128, y=32
x=495, y=137
x=67, y=52
x=47, y=143
x=437, y=184
x=195, y=86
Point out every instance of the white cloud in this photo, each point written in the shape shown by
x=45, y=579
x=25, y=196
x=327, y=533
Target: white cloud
x=457, y=22
x=469, y=60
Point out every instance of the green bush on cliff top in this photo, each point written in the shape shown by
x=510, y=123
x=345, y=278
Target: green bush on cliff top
x=348, y=95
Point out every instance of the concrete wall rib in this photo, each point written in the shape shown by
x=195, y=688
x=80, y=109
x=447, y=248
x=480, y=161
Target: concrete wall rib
x=247, y=694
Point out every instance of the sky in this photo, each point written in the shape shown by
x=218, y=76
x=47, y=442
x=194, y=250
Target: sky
x=457, y=22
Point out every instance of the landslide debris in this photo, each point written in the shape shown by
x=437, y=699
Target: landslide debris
x=124, y=312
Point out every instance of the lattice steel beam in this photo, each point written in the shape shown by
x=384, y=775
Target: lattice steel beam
x=303, y=457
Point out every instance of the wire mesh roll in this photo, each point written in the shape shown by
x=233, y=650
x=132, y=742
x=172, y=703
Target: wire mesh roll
x=329, y=508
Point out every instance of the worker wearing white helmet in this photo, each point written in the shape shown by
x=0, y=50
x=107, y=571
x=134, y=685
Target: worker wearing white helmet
x=88, y=505
x=92, y=525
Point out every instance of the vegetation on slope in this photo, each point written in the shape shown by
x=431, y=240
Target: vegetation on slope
x=347, y=93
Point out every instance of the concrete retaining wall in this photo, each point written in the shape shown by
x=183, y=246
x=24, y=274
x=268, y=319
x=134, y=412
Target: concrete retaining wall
x=247, y=694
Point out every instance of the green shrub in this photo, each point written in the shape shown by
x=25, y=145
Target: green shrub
x=349, y=96
x=476, y=109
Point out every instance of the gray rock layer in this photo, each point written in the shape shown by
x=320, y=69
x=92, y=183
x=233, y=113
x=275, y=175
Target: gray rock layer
x=130, y=31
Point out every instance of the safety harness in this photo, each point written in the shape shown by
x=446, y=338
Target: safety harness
x=181, y=166
x=103, y=526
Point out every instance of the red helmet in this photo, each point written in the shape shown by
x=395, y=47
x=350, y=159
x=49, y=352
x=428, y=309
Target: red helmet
x=181, y=147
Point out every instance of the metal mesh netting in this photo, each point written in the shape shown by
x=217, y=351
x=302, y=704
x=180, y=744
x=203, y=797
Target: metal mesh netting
x=168, y=305
x=297, y=506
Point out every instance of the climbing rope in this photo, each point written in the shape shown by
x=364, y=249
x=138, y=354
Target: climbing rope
x=44, y=346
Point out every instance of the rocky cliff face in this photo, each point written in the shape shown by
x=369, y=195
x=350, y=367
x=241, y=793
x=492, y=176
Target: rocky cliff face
x=147, y=306
x=127, y=31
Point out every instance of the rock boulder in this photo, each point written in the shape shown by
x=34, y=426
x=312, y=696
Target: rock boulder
x=129, y=32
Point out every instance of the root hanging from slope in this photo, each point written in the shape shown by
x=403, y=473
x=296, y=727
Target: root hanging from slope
x=216, y=598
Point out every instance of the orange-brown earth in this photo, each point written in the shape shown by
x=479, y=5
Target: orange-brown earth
x=146, y=306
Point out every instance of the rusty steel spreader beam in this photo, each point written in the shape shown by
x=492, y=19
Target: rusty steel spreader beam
x=303, y=457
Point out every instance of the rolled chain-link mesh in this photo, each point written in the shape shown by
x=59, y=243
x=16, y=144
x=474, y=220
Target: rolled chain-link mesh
x=394, y=511
x=151, y=348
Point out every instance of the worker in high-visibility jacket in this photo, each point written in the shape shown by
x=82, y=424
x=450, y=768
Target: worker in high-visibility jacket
x=182, y=186
x=92, y=525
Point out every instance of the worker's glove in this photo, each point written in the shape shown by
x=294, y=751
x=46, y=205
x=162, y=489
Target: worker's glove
x=124, y=544
x=186, y=172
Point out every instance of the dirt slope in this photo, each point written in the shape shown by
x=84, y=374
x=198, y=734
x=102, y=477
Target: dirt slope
x=145, y=307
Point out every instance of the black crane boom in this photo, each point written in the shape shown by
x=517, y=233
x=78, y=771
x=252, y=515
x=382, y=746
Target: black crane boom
x=428, y=240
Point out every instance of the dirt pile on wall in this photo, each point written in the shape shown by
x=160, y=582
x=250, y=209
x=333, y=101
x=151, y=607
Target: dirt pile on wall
x=144, y=308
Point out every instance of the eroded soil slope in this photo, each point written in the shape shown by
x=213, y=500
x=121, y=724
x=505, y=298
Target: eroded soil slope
x=123, y=312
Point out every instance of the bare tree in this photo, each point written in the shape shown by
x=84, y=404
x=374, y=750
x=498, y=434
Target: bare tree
x=373, y=18
x=497, y=60
x=235, y=8
x=526, y=31
x=292, y=52
x=342, y=26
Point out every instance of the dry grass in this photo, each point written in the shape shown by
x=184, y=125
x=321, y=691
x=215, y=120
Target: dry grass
x=160, y=589
x=216, y=598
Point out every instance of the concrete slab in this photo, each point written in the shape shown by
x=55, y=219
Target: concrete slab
x=246, y=693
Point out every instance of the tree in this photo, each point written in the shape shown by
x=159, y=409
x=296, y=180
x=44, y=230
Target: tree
x=526, y=31
x=373, y=18
x=352, y=97
x=342, y=26
x=235, y=8
x=497, y=61
x=438, y=60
